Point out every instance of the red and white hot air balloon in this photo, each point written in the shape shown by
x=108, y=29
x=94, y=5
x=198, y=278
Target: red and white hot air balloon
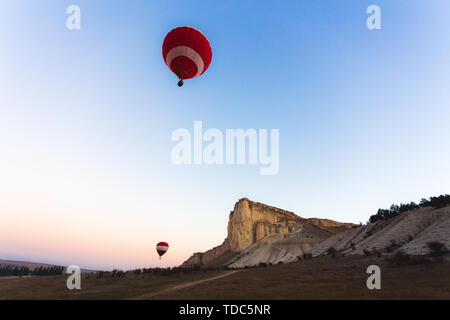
x=162, y=248
x=187, y=53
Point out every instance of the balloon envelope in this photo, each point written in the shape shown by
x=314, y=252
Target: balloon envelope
x=162, y=248
x=187, y=52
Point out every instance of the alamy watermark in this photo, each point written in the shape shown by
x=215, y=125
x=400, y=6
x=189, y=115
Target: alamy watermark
x=73, y=22
x=374, y=281
x=374, y=20
x=236, y=146
x=74, y=280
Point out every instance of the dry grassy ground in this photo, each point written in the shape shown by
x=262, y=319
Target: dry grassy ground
x=54, y=287
x=326, y=278
x=320, y=278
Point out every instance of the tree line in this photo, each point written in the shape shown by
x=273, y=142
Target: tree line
x=9, y=270
x=395, y=210
x=156, y=271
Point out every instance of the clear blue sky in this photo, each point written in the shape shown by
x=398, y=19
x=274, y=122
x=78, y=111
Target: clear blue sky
x=86, y=118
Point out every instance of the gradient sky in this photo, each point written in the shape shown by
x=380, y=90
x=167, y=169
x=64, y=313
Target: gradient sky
x=86, y=118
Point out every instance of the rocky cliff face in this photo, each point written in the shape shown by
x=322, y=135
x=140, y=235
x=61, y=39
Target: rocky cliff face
x=248, y=223
x=251, y=221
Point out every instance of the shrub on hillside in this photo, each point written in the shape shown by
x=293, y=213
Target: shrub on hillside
x=332, y=252
x=368, y=234
x=307, y=256
x=262, y=265
x=400, y=258
x=392, y=246
x=437, y=248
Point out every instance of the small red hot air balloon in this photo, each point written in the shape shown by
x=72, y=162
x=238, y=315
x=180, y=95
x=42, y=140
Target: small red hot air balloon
x=187, y=53
x=162, y=248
